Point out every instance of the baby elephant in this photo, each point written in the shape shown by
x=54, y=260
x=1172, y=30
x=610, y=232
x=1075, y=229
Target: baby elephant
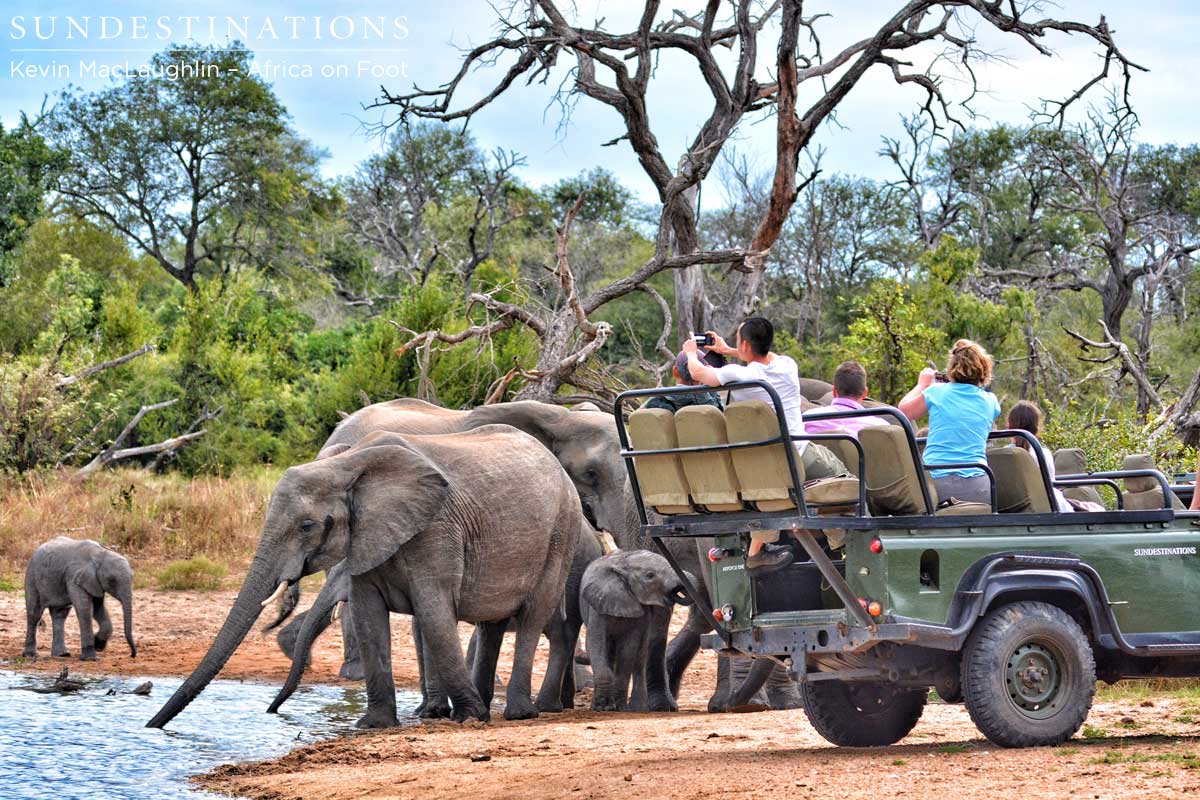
x=627, y=604
x=67, y=573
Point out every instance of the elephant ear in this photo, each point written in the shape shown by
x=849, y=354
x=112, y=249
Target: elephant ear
x=332, y=450
x=540, y=420
x=605, y=590
x=87, y=578
x=394, y=494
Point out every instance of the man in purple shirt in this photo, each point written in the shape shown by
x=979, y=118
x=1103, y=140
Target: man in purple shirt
x=849, y=390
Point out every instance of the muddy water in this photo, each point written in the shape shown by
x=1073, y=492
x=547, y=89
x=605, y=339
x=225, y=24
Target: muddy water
x=93, y=744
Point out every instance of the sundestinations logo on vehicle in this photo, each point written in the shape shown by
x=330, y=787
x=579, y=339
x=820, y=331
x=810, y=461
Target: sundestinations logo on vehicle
x=75, y=47
x=1165, y=551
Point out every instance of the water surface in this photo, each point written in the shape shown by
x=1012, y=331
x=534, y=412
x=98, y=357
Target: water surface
x=94, y=745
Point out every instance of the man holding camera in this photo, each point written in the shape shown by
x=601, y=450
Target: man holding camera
x=754, y=339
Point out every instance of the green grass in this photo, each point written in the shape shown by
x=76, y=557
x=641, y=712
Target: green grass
x=8, y=585
x=1186, y=719
x=951, y=749
x=195, y=573
x=1185, y=760
x=1129, y=724
x=1180, y=688
x=899, y=762
x=1092, y=732
x=1066, y=751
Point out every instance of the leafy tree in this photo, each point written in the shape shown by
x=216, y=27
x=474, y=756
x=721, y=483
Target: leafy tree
x=28, y=166
x=191, y=169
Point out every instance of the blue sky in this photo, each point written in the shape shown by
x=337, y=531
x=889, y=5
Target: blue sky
x=422, y=48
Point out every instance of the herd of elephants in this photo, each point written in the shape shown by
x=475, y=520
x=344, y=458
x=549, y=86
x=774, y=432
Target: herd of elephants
x=494, y=516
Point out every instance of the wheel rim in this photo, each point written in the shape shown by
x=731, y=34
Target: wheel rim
x=1034, y=678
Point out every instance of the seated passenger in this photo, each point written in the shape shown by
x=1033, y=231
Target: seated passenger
x=674, y=402
x=961, y=413
x=1195, y=504
x=754, y=339
x=1025, y=416
x=849, y=390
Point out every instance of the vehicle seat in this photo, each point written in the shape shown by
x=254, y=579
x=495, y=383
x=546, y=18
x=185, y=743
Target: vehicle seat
x=893, y=480
x=1019, y=485
x=710, y=476
x=1071, y=461
x=762, y=472
x=663, y=483
x=845, y=452
x=962, y=508
x=1145, y=494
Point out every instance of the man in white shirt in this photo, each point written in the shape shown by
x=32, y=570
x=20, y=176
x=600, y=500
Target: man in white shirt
x=754, y=339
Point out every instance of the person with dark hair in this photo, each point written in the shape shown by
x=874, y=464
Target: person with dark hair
x=849, y=391
x=683, y=377
x=1025, y=416
x=961, y=412
x=754, y=339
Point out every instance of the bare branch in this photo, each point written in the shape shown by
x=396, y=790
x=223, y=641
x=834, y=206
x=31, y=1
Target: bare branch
x=95, y=368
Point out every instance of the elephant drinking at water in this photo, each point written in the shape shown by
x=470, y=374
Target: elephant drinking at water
x=475, y=526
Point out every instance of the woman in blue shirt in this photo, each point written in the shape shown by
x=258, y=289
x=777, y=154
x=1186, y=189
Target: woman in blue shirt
x=961, y=414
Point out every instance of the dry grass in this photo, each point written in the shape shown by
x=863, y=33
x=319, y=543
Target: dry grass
x=151, y=519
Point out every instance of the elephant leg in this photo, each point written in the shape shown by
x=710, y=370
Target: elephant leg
x=518, y=695
x=434, y=702
x=783, y=693
x=352, y=666
x=373, y=626
x=33, y=616
x=599, y=650
x=82, y=603
x=445, y=669
x=719, y=702
x=627, y=666
x=486, y=643
x=680, y=652
x=658, y=694
x=103, y=623
x=746, y=679
x=58, y=624
x=551, y=697
x=637, y=698
x=569, y=685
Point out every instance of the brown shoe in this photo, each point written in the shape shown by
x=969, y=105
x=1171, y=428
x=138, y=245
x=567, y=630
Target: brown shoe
x=769, y=559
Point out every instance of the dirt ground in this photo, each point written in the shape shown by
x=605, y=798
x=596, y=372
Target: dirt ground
x=1132, y=748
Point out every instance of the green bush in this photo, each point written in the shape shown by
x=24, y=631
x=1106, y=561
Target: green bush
x=1106, y=440
x=197, y=573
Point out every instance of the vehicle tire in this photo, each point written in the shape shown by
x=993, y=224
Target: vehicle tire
x=862, y=714
x=1028, y=675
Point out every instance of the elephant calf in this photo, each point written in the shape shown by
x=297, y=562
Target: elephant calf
x=627, y=601
x=67, y=573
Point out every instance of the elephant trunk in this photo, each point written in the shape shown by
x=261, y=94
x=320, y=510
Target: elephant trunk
x=316, y=620
x=126, y=599
x=760, y=670
x=255, y=589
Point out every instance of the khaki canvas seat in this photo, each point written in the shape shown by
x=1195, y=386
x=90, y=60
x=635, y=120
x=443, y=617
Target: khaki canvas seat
x=1071, y=461
x=663, y=483
x=1019, y=485
x=964, y=508
x=893, y=481
x=710, y=476
x=762, y=472
x=1145, y=494
x=845, y=452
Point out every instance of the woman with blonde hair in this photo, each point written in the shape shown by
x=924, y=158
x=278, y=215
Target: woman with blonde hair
x=961, y=412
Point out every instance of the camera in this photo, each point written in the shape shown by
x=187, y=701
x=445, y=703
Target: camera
x=703, y=339
x=940, y=377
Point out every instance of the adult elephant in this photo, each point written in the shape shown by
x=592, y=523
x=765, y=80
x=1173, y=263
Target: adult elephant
x=476, y=526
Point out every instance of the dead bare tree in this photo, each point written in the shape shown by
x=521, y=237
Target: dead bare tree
x=616, y=69
x=115, y=452
x=1129, y=363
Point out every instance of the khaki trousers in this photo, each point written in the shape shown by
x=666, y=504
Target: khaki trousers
x=819, y=462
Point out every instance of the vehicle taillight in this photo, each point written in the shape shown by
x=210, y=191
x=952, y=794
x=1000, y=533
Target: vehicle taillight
x=874, y=609
x=876, y=546
x=724, y=613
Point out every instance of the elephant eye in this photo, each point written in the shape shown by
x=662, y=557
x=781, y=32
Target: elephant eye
x=308, y=525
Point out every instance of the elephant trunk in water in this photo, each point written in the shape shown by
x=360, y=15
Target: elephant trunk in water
x=126, y=600
x=257, y=587
x=318, y=618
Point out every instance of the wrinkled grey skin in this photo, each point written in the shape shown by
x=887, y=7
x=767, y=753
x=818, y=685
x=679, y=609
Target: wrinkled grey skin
x=67, y=573
x=472, y=526
x=297, y=637
x=585, y=443
x=627, y=602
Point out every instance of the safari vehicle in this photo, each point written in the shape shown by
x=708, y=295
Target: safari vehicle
x=1014, y=609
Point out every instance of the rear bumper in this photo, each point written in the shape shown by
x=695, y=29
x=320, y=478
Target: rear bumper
x=785, y=641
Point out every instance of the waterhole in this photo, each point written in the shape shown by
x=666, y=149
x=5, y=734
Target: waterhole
x=92, y=744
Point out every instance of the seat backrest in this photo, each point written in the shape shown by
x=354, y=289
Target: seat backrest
x=1019, y=485
x=1143, y=494
x=893, y=482
x=663, y=483
x=711, y=479
x=1072, y=461
x=845, y=452
x=762, y=472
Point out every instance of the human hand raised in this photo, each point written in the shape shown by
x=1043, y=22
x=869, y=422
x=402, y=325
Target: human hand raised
x=689, y=345
x=718, y=344
x=926, y=378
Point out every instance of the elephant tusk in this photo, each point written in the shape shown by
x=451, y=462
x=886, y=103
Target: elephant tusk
x=278, y=594
x=607, y=545
x=337, y=610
